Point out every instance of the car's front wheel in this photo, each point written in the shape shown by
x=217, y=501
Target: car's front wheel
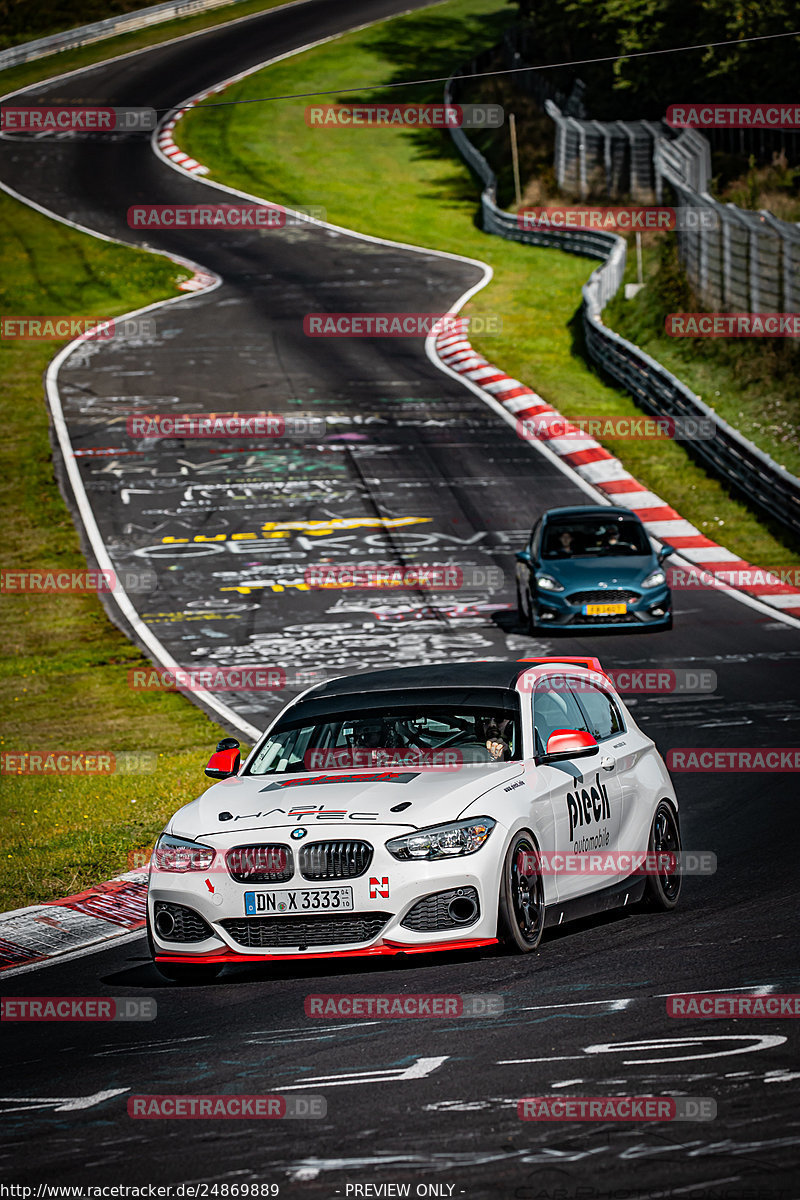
x=521, y=909
x=180, y=973
x=663, y=889
x=525, y=609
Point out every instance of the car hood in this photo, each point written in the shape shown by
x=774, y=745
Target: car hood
x=623, y=570
x=333, y=801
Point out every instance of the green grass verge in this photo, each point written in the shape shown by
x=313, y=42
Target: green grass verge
x=413, y=187
x=69, y=60
x=63, y=665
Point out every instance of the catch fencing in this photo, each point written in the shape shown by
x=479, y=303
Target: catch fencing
x=751, y=261
x=614, y=158
x=757, y=476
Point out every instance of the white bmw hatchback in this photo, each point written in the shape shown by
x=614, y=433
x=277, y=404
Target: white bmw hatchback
x=418, y=809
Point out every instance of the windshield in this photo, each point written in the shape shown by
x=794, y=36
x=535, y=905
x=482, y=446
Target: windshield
x=593, y=538
x=419, y=737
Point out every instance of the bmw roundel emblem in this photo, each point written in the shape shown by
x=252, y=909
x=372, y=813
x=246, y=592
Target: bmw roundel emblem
x=298, y=833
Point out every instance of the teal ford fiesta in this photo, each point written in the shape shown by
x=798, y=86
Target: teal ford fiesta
x=592, y=566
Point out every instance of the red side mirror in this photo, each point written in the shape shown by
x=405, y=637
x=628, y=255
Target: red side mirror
x=225, y=761
x=570, y=743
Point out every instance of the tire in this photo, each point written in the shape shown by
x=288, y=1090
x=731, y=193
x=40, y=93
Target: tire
x=525, y=618
x=520, y=918
x=662, y=891
x=192, y=973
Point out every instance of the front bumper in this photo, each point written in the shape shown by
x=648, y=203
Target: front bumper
x=645, y=610
x=236, y=956
x=387, y=894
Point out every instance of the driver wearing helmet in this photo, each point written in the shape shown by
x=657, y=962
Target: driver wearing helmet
x=374, y=733
x=377, y=738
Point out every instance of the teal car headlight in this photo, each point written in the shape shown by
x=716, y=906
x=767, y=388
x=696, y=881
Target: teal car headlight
x=442, y=841
x=655, y=579
x=548, y=583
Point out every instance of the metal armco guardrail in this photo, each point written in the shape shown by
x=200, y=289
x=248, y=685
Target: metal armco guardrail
x=741, y=464
x=70, y=39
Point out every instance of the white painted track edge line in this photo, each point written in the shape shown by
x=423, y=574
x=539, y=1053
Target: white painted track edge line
x=430, y=348
x=597, y=495
x=181, y=37
x=430, y=342
x=54, y=403
x=120, y=597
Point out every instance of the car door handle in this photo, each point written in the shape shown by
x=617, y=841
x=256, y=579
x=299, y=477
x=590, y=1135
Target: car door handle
x=608, y=763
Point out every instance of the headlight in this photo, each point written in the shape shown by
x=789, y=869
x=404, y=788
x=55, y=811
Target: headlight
x=655, y=578
x=177, y=854
x=443, y=841
x=548, y=584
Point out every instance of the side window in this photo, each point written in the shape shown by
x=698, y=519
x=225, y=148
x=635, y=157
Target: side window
x=602, y=713
x=554, y=707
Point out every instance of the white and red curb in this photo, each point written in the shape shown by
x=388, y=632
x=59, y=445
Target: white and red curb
x=166, y=142
x=201, y=279
x=100, y=914
x=605, y=473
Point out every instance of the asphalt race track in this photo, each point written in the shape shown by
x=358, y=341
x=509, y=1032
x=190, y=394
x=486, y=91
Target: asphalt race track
x=414, y=468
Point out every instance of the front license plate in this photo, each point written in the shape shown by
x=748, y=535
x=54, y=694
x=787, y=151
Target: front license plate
x=295, y=901
x=604, y=610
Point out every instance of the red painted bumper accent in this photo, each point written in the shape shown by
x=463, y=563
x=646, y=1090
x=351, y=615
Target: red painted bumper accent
x=232, y=956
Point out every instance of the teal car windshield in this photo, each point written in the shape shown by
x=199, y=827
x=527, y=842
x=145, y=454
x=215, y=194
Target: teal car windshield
x=591, y=538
